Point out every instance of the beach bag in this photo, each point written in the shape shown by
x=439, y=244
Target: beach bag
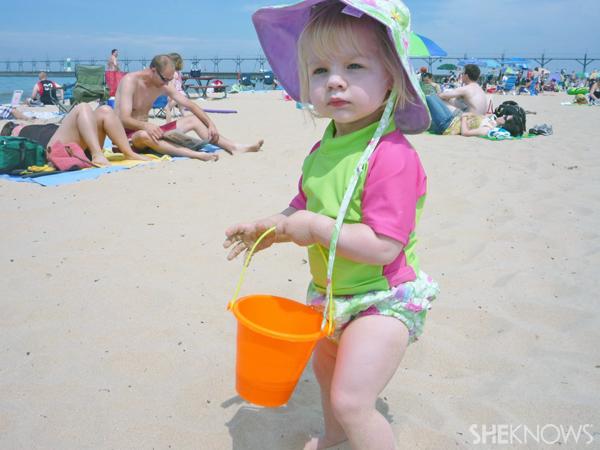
x=17, y=153
x=512, y=108
x=66, y=157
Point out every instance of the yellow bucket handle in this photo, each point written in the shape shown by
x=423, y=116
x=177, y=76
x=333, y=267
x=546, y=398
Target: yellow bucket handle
x=327, y=311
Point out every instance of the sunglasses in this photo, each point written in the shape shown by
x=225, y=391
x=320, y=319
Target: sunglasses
x=165, y=80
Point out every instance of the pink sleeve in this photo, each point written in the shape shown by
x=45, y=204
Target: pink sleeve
x=299, y=201
x=395, y=181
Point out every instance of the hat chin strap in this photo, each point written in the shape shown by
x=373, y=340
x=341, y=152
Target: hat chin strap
x=388, y=112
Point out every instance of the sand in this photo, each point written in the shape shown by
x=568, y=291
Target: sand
x=114, y=332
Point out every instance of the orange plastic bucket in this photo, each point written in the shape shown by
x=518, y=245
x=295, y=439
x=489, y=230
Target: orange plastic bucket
x=275, y=338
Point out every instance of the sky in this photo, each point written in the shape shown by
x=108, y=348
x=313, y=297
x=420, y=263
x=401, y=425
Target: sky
x=78, y=29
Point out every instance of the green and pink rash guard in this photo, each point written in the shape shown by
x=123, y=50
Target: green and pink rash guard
x=389, y=198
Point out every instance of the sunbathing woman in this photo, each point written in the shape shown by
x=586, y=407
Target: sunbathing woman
x=82, y=125
x=488, y=125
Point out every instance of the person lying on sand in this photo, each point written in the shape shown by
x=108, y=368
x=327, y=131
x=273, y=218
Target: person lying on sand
x=136, y=94
x=8, y=112
x=82, y=125
x=475, y=125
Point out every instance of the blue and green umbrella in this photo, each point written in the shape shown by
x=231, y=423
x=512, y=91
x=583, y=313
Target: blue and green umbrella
x=423, y=47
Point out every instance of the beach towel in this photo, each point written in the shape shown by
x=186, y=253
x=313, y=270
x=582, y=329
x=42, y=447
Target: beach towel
x=512, y=138
x=499, y=134
x=46, y=176
x=43, y=115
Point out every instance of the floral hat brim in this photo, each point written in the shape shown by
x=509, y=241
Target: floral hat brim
x=279, y=28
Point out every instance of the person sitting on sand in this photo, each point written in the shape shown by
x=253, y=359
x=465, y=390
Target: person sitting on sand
x=177, y=83
x=82, y=125
x=136, y=94
x=594, y=95
x=469, y=97
x=428, y=86
x=45, y=90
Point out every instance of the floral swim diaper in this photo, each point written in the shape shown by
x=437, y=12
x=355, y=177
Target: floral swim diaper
x=407, y=302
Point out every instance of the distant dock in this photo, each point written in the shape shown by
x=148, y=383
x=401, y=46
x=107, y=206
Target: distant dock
x=64, y=74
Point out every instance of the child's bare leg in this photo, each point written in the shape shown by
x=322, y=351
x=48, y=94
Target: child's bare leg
x=108, y=123
x=141, y=139
x=188, y=123
x=80, y=126
x=169, y=110
x=369, y=353
x=323, y=366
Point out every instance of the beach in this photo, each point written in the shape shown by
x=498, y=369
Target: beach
x=114, y=332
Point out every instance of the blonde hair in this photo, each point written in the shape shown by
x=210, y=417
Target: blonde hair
x=329, y=31
x=177, y=60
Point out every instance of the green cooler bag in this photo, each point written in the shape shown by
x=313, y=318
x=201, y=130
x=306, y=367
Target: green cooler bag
x=18, y=153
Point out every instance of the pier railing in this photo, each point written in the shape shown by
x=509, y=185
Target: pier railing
x=230, y=67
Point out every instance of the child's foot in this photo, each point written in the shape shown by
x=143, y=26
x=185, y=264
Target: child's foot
x=240, y=148
x=323, y=442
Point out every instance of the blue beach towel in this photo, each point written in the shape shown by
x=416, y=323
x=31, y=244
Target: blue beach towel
x=60, y=178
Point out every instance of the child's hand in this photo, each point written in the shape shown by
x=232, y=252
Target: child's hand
x=241, y=237
x=299, y=227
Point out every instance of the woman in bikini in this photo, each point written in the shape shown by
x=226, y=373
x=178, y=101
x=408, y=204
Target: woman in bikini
x=82, y=125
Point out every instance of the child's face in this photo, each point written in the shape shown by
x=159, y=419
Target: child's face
x=351, y=86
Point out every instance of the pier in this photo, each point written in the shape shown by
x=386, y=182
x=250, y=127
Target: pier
x=230, y=68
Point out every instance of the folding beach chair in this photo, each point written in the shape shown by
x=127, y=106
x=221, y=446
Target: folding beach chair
x=90, y=84
x=16, y=97
x=508, y=85
x=160, y=104
x=60, y=103
x=246, y=81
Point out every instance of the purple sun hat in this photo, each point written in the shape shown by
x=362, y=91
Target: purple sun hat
x=279, y=28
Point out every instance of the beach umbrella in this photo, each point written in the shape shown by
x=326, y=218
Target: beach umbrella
x=509, y=71
x=491, y=63
x=423, y=47
x=522, y=63
x=447, y=66
x=464, y=62
x=483, y=63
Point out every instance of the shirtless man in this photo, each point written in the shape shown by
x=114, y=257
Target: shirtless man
x=136, y=94
x=470, y=97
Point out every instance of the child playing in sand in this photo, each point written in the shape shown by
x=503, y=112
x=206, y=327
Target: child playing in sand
x=352, y=72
